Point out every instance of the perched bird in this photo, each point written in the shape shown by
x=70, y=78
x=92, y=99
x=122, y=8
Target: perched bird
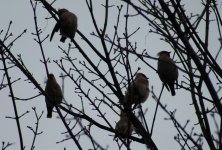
x=124, y=126
x=67, y=24
x=138, y=90
x=167, y=71
x=54, y=92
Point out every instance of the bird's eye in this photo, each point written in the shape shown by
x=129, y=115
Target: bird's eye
x=168, y=54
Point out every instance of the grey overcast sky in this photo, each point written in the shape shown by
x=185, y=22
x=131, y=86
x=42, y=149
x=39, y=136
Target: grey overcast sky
x=20, y=12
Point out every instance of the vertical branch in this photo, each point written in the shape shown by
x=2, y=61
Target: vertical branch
x=13, y=98
x=157, y=104
x=127, y=62
x=128, y=69
x=35, y=132
x=220, y=135
x=38, y=32
x=106, y=18
x=207, y=23
x=205, y=132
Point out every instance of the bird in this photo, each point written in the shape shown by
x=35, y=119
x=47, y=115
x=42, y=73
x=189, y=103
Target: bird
x=138, y=90
x=54, y=93
x=67, y=25
x=167, y=71
x=124, y=126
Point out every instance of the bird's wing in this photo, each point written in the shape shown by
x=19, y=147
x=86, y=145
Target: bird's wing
x=167, y=86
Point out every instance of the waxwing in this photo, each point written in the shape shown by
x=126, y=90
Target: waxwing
x=67, y=25
x=138, y=90
x=54, y=92
x=167, y=71
x=124, y=126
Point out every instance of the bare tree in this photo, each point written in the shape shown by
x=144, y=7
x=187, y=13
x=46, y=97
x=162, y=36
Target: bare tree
x=103, y=72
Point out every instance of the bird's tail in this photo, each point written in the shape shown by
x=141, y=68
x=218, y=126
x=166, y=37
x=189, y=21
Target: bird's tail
x=171, y=86
x=49, y=112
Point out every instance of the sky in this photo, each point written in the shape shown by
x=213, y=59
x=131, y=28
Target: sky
x=21, y=14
